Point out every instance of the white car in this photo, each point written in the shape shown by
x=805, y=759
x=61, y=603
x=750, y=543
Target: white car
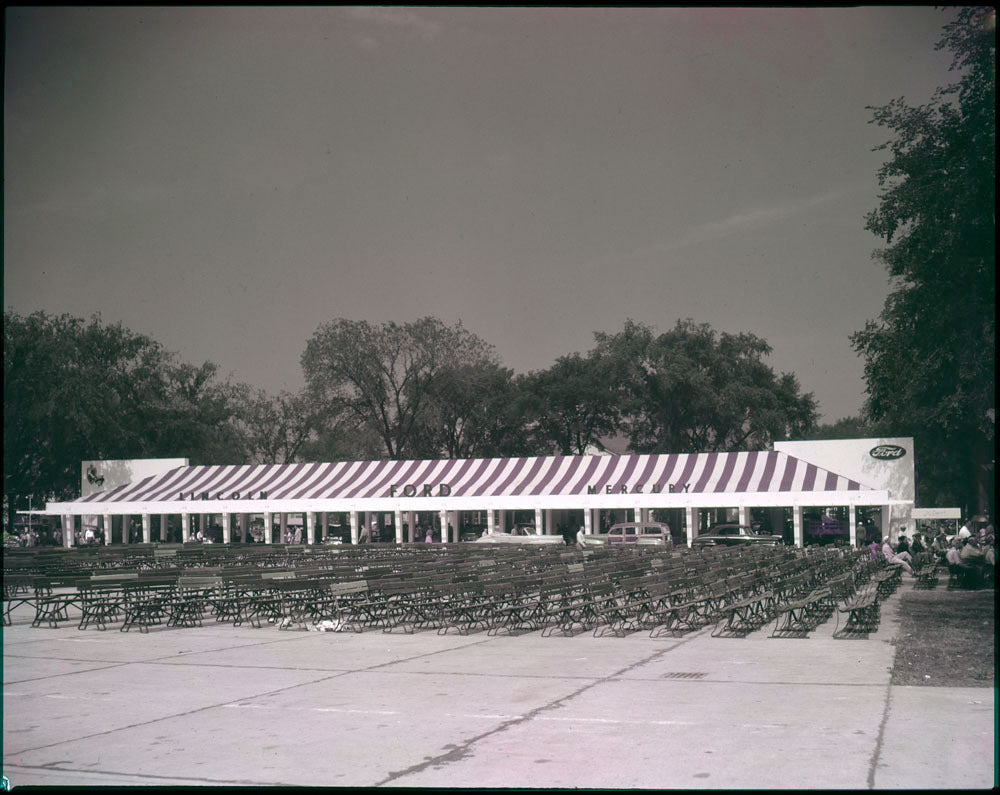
x=520, y=534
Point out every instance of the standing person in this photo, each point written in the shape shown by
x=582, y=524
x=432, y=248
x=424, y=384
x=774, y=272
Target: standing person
x=429, y=539
x=580, y=536
x=297, y=536
x=965, y=530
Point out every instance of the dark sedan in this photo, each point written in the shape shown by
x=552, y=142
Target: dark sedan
x=734, y=535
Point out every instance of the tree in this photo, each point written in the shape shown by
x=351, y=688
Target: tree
x=474, y=410
x=77, y=391
x=192, y=415
x=846, y=428
x=272, y=430
x=692, y=390
x=386, y=376
x=574, y=404
x=930, y=356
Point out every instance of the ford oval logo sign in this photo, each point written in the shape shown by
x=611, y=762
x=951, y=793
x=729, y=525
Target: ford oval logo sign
x=887, y=451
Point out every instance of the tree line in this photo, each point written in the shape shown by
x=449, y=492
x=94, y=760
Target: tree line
x=78, y=390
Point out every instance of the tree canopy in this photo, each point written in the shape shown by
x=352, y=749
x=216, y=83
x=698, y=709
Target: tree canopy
x=691, y=389
x=930, y=355
x=76, y=390
x=572, y=405
x=391, y=377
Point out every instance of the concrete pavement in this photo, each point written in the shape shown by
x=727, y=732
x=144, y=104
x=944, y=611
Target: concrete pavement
x=220, y=705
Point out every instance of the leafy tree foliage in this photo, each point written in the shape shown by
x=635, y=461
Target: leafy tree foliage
x=474, y=410
x=76, y=390
x=930, y=356
x=848, y=428
x=574, y=404
x=273, y=430
x=390, y=377
x=342, y=438
x=693, y=390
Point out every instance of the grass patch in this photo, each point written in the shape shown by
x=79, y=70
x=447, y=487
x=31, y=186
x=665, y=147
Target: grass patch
x=946, y=638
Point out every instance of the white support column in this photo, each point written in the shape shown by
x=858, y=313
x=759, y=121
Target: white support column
x=282, y=527
x=887, y=528
x=147, y=529
x=202, y=522
x=109, y=527
x=548, y=520
x=588, y=521
x=691, y=517
x=797, y=525
x=163, y=528
x=185, y=527
x=241, y=519
x=68, y=530
x=491, y=524
x=502, y=524
x=268, y=526
x=324, y=526
x=126, y=527
x=397, y=523
x=443, y=516
x=354, y=527
x=852, y=518
x=744, y=515
x=227, y=527
x=310, y=527
x=539, y=522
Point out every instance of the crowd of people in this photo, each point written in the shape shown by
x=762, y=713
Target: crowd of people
x=969, y=554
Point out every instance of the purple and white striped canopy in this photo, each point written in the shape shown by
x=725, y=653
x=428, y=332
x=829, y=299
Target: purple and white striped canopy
x=699, y=473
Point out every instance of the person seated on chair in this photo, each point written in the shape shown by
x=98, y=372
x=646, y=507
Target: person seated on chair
x=973, y=558
x=889, y=553
x=990, y=561
x=953, y=557
x=875, y=549
x=961, y=573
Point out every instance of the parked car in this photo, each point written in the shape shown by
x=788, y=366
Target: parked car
x=471, y=532
x=520, y=534
x=644, y=533
x=734, y=535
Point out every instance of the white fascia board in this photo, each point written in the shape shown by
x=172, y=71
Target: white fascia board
x=438, y=503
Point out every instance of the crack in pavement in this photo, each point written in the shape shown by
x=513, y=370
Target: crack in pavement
x=232, y=702
x=459, y=752
x=144, y=776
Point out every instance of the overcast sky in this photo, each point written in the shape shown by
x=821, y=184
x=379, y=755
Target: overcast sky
x=226, y=180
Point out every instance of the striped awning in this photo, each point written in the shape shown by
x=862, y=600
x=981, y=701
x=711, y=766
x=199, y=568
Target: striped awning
x=543, y=476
